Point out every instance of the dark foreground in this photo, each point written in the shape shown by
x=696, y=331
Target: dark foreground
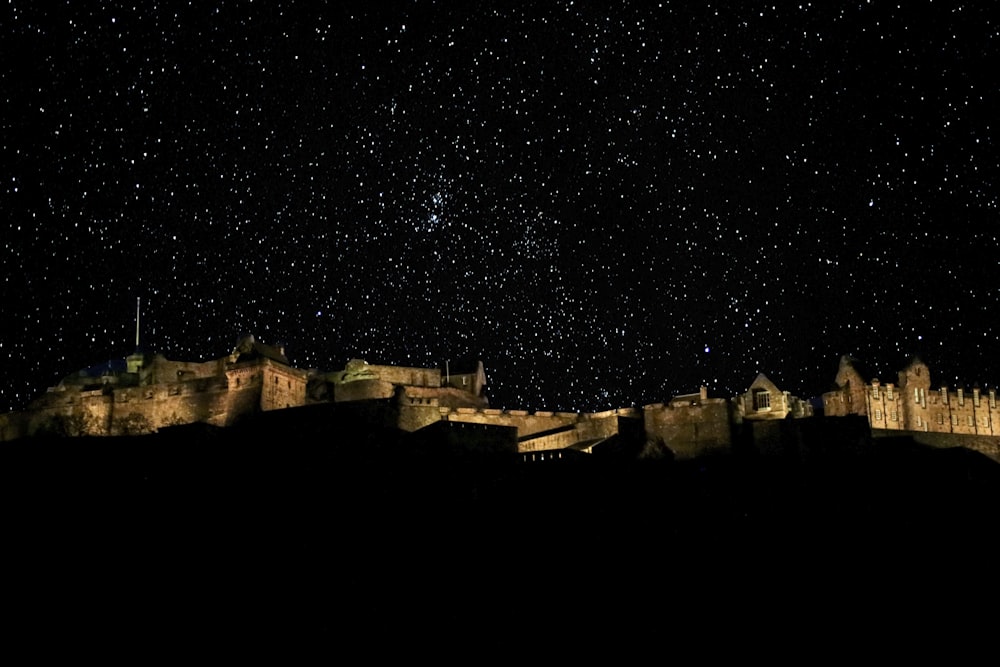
x=249, y=538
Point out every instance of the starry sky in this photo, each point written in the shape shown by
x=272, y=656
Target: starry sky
x=607, y=203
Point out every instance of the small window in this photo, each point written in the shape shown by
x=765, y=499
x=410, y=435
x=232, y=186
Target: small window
x=878, y=415
x=761, y=400
x=972, y=420
x=940, y=418
x=875, y=391
x=894, y=416
x=888, y=392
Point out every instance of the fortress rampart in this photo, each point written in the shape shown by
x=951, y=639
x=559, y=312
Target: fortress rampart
x=913, y=404
x=151, y=393
x=148, y=393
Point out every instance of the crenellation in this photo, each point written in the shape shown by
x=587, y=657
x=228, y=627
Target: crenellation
x=916, y=408
x=151, y=392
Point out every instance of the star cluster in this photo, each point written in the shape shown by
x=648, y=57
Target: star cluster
x=607, y=204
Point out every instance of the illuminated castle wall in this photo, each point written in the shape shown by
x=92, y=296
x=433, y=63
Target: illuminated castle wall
x=150, y=392
x=144, y=393
x=147, y=393
x=913, y=404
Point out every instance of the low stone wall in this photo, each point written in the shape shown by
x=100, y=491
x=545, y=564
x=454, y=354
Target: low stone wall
x=987, y=445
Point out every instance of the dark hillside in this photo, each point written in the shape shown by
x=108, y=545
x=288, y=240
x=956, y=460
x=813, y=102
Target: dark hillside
x=302, y=530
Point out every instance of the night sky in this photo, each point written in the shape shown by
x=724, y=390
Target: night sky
x=608, y=203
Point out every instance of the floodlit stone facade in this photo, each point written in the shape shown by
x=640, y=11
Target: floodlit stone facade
x=144, y=393
x=150, y=392
x=691, y=425
x=914, y=403
x=764, y=401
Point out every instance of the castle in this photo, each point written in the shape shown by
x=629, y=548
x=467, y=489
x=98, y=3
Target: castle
x=912, y=404
x=145, y=393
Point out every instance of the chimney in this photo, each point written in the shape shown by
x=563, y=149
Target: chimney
x=703, y=393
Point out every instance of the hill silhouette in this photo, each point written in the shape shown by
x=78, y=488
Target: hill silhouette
x=300, y=529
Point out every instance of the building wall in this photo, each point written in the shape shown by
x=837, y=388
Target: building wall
x=885, y=407
x=283, y=387
x=691, y=428
x=527, y=423
x=362, y=390
x=849, y=397
x=915, y=406
x=549, y=441
x=396, y=375
x=163, y=393
x=764, y=401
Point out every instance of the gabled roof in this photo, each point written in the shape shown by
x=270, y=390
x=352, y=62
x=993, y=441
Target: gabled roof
x=763, y=382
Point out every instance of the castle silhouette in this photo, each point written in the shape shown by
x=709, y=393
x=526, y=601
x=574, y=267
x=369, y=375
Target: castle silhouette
x=145, y=393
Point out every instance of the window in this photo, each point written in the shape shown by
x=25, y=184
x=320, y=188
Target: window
x=894, y=416
x=940, y=418
x=972, y=421
x=961, y=397
x=875, y=391
x=888, y=392
x=944, y=395
x=878, y=415
x=761, y=400
x=975, y=397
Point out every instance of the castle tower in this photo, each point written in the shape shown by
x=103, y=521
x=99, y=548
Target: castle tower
x=914, y=385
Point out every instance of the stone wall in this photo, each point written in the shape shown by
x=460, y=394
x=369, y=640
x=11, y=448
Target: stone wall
x=363, y=390
x=691, y=429
x=405, y=375
x=283, y=387
x=915, y=406
x=527, y=423
x=561, y=438
x=984, y=444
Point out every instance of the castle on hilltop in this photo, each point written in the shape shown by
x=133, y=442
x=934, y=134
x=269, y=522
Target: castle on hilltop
x=145, y=393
